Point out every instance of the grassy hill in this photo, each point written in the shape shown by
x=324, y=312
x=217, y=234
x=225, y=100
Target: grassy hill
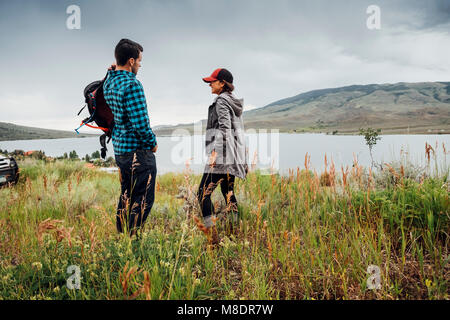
x=9, y=131
x=395, y=108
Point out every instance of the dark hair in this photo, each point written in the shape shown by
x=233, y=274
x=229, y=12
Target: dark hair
x=125, y=50
x=228, y=87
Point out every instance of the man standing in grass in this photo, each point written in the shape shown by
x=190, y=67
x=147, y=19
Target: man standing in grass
x=133, y=139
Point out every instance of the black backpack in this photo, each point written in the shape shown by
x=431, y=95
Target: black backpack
x=99, y=111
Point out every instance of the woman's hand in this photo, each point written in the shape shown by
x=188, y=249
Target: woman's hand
x=212, y=159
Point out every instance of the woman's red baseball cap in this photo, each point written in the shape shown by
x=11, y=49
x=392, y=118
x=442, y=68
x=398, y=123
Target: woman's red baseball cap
x=220, y=74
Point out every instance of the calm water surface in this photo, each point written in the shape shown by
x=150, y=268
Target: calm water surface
x=282, y=151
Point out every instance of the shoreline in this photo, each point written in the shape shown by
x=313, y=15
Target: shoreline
x=351, y=133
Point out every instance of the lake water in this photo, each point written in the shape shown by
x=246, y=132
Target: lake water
x=281, y=151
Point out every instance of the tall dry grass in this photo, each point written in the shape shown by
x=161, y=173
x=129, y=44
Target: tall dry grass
x=307, y=235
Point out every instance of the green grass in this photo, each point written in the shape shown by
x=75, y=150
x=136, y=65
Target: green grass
x=302, y=236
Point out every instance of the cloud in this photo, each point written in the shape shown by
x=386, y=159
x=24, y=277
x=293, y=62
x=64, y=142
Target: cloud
x=421, y=15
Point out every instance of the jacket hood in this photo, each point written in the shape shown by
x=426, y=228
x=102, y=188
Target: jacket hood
x=235, y=103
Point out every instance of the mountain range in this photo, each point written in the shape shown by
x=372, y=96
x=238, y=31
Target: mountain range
x=398, y=108
x=395, y=108
x=9, y=131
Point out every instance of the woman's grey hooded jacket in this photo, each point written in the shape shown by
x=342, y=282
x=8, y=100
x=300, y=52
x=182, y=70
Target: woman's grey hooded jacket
x=225, y=135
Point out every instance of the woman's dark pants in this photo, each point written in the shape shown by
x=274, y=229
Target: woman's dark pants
x=208, y=184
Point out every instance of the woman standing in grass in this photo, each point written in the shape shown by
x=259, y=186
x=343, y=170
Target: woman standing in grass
x=225, y=146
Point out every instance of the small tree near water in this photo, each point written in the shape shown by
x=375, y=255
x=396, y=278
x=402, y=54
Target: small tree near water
x=95, y=155
x=371, y=136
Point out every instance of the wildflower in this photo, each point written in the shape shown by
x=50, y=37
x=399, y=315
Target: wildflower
x=56, y=289
x=428, y=283
x=196, y=282
x=224, y=244
x=36, y=265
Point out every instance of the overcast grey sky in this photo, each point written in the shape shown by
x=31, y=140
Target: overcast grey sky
x=275, y=49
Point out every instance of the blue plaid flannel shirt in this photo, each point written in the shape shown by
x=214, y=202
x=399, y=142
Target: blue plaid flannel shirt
x=125, y=96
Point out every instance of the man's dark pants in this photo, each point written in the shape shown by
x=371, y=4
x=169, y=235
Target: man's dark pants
x=137, y=179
